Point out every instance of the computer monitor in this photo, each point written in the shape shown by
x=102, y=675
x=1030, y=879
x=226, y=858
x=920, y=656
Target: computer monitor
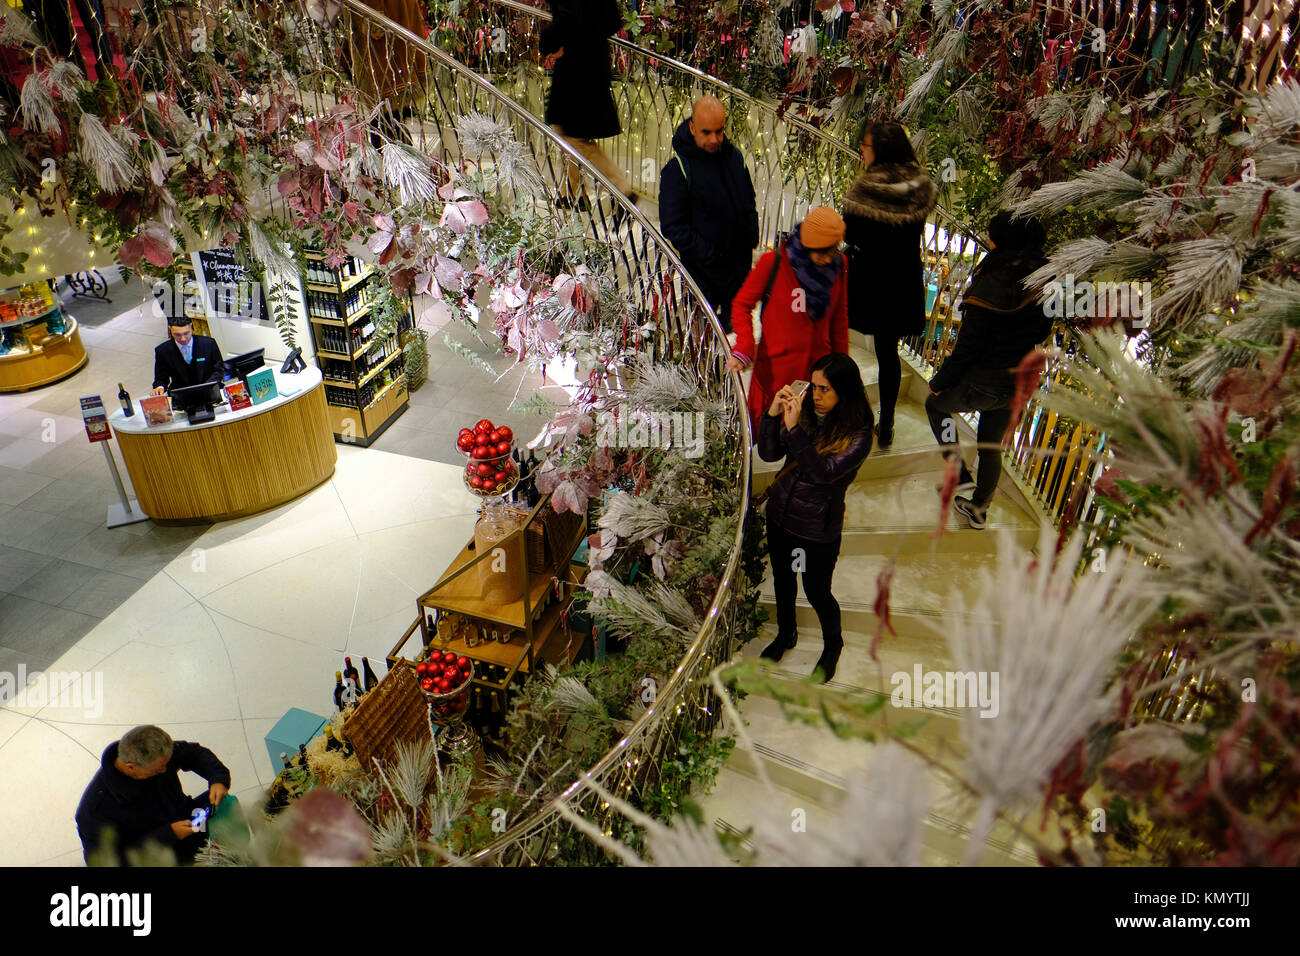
x=197, y=401
x=241, y=365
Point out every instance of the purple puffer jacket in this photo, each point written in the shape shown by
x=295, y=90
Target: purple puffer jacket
x=808, y=502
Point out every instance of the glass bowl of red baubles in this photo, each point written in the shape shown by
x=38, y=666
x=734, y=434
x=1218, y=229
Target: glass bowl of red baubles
x=490, y=470
x=444, y=679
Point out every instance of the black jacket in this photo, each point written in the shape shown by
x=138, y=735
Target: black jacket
x=171, y=371
x=580, y=101
x=713, y=221
x=808, y=501
x=1001, y=322
x=885, y=210
x=139, y=811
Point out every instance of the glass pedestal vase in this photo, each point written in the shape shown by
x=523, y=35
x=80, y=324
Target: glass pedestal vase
x=448, y=709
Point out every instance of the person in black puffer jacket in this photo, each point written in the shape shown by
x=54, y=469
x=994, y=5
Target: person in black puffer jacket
x=706, y=206
x=1002, y=322
x=825, y=438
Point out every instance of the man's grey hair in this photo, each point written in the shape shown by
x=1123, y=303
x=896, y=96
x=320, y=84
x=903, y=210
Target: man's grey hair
x=144, y=746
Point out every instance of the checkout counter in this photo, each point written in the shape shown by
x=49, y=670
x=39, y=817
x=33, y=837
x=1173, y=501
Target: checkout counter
x=238, y=464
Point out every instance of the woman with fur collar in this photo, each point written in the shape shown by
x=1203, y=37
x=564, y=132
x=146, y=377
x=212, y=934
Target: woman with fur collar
x=884, y=213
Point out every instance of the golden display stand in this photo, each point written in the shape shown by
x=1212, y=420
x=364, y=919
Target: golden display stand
x=239, y=465
x=54, y=358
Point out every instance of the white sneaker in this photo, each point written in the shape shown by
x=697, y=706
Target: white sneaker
x=974, y=514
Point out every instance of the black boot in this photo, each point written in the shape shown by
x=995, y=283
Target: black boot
x=885, y=433
x=776, y=650
x=829, y=660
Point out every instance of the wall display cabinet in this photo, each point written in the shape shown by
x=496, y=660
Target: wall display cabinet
x=365, y=382
x=40, y=343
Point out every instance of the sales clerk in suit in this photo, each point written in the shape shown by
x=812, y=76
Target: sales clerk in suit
x=186, y=359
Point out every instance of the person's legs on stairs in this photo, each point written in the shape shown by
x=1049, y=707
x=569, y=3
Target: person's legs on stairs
x=891, y=378
x=993, y=424
x=572, y=172
x=942, y=411
x=819, y=572
x=779, y=550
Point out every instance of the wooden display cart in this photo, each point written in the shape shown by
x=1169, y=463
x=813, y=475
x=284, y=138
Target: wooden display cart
x=535, y=623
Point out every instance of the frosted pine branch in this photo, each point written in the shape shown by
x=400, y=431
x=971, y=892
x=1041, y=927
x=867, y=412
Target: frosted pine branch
x=105, y=155
x=36, y=105
x=407, y=171
x=1097, y=189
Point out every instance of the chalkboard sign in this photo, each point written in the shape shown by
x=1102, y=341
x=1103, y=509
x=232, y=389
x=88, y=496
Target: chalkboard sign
x=234, y=291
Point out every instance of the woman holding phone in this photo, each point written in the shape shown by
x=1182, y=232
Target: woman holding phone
x=824, y=435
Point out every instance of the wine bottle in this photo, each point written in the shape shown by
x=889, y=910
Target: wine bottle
x=371, y=680
x=284, y=759
x=533, y=496
x=302, y=756
x=338, y=690
x=124, y=397
x=351, y=673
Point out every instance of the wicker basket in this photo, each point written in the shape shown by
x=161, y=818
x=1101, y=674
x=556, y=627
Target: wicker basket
x=395, y=710
x=545, y=536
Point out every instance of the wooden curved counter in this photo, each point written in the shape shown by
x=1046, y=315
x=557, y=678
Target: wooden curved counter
x=57, y=357
x=239, y=464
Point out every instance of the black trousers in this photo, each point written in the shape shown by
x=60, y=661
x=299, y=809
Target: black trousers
x=791, y=555
x=994, y=405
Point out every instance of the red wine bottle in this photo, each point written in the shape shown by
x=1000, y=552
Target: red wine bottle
x=125, y=398
x=338, y=690
x=371, y=680
x=351, y=672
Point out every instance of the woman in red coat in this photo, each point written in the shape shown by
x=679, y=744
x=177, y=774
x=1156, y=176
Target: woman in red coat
x=807, y=312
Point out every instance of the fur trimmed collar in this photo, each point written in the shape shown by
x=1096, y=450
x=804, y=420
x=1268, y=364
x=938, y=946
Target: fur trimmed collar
x=893, y=195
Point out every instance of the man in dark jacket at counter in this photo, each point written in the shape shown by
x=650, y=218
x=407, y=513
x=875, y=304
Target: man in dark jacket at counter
x=1002, y=322
x=136, y=796
x=706, y=206
x=185, y=358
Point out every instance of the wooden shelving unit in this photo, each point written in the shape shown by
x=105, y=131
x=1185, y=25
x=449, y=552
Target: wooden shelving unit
x=536, y=622
x=364, y=392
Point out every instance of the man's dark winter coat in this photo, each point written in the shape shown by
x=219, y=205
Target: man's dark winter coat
x=580, y=101
x=139, y=811
x=713, y=222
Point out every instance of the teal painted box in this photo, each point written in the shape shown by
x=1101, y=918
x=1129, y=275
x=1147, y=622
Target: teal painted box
x=294, y=728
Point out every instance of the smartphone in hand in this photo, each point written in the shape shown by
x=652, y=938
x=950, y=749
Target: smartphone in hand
x=799, y=388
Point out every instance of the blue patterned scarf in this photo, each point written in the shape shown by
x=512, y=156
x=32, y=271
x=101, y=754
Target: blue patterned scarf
x=816, y=281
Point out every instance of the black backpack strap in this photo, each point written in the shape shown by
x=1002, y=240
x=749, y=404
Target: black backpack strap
x=771, y=277
x=686, y=170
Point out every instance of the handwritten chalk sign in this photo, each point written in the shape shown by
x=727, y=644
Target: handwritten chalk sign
x=234, y=290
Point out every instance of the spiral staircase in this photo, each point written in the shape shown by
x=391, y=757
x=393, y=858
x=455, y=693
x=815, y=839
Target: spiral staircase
x=893, y=507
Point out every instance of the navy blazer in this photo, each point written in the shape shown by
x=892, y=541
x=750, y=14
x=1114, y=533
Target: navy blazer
x=170, y=369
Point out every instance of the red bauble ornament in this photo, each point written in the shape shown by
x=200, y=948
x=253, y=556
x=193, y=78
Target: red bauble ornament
x=484, y=470
x=494, y=436
x=506, y=433
x=421, y=668
x=462, y=662
x=489, y=484
x=426, y=683
x=484, y=425
x=481, y=452
x=476, y=482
